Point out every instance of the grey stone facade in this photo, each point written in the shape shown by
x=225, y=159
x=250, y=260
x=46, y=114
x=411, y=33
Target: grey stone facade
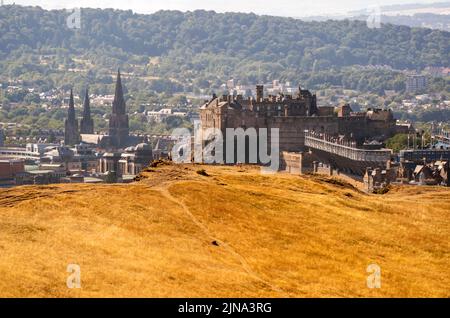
x=292, y=115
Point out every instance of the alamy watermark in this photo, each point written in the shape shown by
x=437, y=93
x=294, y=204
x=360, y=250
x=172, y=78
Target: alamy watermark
x=73, y=21
x=74, y=279
x=374, y=279
x=374, y=17
x=210, y=146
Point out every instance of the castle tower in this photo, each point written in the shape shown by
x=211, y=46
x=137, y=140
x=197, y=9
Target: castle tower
x=87, y=123
x=259, y=93
x=71, y=136
x=118, y=120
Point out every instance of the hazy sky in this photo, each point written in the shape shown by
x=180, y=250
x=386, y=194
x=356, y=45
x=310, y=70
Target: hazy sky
x=294, y=8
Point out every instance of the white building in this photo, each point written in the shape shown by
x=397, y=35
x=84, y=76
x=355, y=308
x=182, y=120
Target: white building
x=160, y=115
x=415, y=83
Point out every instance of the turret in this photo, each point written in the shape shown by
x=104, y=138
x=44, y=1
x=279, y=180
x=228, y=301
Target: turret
x=259, y=93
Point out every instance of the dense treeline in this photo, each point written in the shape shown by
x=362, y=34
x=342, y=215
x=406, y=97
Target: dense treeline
x=285, y=40
x=201, y=49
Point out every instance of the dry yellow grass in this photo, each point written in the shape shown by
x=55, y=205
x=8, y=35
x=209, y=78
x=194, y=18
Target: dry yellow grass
x=277, y=236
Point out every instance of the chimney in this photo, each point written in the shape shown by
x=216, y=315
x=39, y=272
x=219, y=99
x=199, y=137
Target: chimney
x=315, y=166
x=259, y=93
x=378, y=174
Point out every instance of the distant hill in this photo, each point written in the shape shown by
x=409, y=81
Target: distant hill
x=436, y=7
x=204, y=48
x=236, y=233
x=423, y=20
x=431, y=15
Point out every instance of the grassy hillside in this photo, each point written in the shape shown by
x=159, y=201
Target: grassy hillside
x=233, y=233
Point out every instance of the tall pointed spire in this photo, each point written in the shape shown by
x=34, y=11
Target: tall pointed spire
x=71, y=111
x=86, y=105
x=118, y=120
x=119, y=106
x=71, y=136
x=86, y=124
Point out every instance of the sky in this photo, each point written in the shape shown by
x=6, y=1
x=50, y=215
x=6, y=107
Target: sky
x=292, y=8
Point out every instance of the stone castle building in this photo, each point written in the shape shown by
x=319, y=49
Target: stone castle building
x=292, y=115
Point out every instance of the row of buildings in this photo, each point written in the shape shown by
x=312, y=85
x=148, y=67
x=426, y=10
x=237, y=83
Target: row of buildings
x=413, y=83
x=53, y=163
x=85, y=156
x=415, y=167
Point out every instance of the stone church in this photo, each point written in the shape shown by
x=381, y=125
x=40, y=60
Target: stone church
x=118, y=137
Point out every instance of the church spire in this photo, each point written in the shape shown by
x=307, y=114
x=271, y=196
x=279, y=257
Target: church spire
x=86, y=105
x=118, y=120
x=119, y=106
x=71, y=136
x=86, y=124
x=71, y=111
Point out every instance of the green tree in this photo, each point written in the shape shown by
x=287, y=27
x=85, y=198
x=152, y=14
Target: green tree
x=398, y=142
